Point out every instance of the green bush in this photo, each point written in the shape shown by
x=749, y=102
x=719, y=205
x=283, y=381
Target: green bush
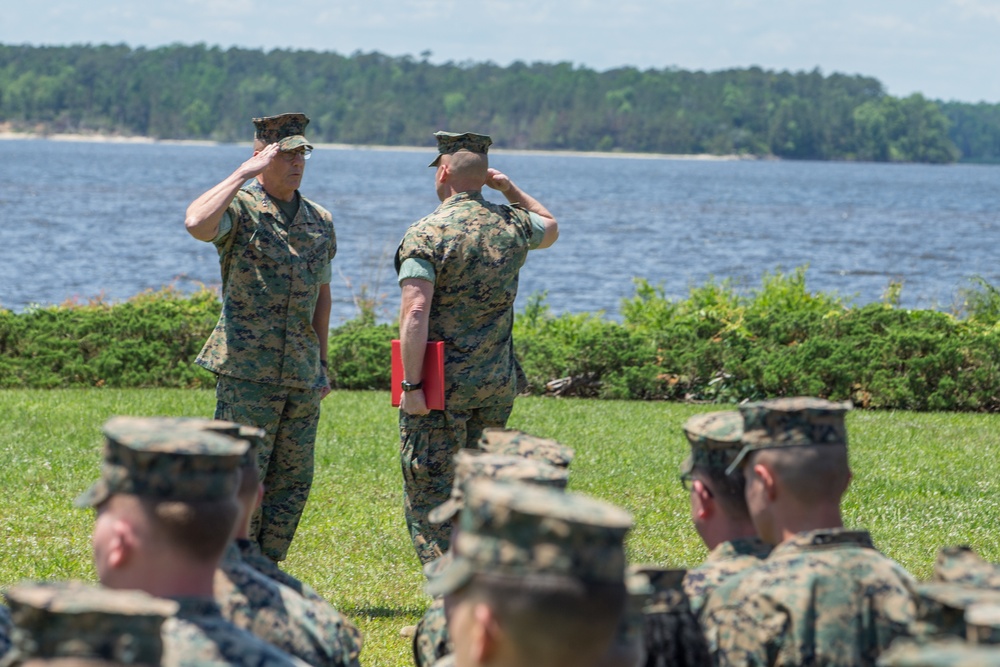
x=719, y=344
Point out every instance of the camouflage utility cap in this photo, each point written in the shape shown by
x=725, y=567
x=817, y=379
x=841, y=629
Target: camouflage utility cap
x=77, y=620
x=519, y=530
x=715, y=440
x=155, y=458
x=472, y=464
x=453, y=142
x=666, y=593
x=791, y=422
x=940, y=653
x=288, y=129
x=518, y=443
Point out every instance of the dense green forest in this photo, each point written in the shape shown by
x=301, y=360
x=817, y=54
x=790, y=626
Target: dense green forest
x=199, y=92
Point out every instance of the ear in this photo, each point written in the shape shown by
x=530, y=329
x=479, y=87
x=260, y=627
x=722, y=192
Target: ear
x=443, y=172
x=122, y=544
x=768, y=479
x=705, y=507
x=488, y=634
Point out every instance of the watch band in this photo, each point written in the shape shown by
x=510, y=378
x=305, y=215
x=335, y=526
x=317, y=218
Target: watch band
x=408, y=386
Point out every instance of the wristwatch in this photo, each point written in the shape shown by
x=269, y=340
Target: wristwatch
x=408, y=386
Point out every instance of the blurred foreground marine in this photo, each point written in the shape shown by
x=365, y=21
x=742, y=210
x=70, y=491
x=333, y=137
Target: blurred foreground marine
x=458, y=270
x=269, y=347
x=825, y=595
x=166, y=510
x=64, y=621
x=718, y=506
x=536, y=577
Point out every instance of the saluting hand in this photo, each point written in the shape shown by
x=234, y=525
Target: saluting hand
x=497, y=180
x=259, y=161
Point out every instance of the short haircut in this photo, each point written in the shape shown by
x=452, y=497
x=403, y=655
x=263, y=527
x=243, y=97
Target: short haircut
x=551, y=620
x=727, y=490
x=812, y=474
x=674, y=639
x=201, y=529
x=469, y=166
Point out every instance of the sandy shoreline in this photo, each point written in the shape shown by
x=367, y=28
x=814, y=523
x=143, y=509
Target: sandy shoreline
x=6, y=135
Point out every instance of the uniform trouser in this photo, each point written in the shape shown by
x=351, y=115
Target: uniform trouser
x=427, y=447
x=285, y=461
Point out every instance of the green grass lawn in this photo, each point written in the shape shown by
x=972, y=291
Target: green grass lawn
x=920, y=481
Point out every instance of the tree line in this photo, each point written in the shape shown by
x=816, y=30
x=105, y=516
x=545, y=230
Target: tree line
x=201, y=92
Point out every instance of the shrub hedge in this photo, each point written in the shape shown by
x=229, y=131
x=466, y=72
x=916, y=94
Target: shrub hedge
x=719, y=344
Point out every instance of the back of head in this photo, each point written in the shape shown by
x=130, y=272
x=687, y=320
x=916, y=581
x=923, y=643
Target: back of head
x=715, y=441
x=73, y=623
x=549, y=565
x=803, y=440
x=183, y=474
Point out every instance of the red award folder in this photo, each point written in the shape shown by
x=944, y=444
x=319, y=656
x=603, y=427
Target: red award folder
x=433, y=374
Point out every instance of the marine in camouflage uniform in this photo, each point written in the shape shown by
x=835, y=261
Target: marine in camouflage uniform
x=458, y=270
x=62, y=620
x=251, y=555
x=825, y=596
x=314, y=632
x=180, y=464
x=269, y=346
x=719, y=509
x=431, y=640
x=524, y=540
x=978, y=646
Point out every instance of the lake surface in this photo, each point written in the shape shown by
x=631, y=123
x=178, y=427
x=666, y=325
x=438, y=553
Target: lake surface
x=78, y=220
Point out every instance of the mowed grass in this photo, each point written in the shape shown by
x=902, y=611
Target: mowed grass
x=920, y=481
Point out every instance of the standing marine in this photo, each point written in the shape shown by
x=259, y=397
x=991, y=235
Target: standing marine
x=458, y=270
x=269, y=348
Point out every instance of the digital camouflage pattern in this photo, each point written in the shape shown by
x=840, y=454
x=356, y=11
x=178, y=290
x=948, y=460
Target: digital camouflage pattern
x=671, y=633
x=477, y=249
x=962, y=565
x=524, y=530
x=251, y=555
x=518, y=443
x=314, y=632
x=264, y=348
x=431, y=640
x=823, y=597
x=157, y=458
x=288, y=128
x=77, y=620
x=199, y=636
x=943, y=653
x=791, y=422
x=472, y=464
x=271, y=276
x=446, y=661
x=453, y=142
x=428, y=444
x=285, y=455
x=941, y=608
x=724, y=561
x=715, y=440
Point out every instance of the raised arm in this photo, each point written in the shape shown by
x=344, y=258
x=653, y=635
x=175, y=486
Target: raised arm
x=205, y=212
x=515, y=195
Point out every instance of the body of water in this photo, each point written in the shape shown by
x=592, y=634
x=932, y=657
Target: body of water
x=80, y=220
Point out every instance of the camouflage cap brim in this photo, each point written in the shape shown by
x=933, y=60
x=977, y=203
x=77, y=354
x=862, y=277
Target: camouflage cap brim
x=451, y=576
x=291, y=143
x=687, y=465
x=434, y=568
x=94, y=496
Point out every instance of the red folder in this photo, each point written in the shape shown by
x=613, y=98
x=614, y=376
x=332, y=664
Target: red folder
x=433, y=374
